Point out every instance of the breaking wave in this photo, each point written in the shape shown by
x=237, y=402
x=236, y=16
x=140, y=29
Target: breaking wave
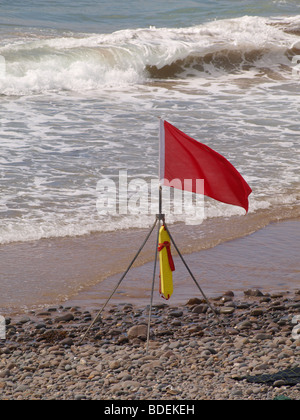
x=73, y=62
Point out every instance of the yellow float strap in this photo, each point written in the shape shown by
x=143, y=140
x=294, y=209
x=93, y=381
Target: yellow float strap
x=166, y=264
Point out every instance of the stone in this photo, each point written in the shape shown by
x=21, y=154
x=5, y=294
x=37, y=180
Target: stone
x=263, y=336
x=163, y=332
x=22, y=388
x=115, y=364
x=176, y=314
x=242, y=305
x=244, y=325
x=122, y=340
x=253, y=292
x=40, y=326
x=227, y=310
x=175, y=345
x=279, y=382
x=257, y=312
x=65, y=318
x=24, y=320
x=240, y=342
x=138, y=331
x=200, y=309
x=226, y=298
x=79, y=397
x=229, y=293
x=205, y=353
x=193, y=301
x=194, y=329
x=4, y=373
x=67, y=341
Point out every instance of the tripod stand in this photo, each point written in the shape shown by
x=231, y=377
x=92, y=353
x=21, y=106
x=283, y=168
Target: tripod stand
x=160, y=218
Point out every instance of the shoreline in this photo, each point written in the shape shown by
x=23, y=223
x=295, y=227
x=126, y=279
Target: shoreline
x=253, y=261
x=189, y=358
x=50, y=272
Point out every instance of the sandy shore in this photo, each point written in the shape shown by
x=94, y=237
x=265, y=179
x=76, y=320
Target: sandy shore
x=266, y=259
x=223, y=254
x=189, y=358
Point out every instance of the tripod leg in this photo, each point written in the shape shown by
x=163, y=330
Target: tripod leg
x=197, y=284
x=120, y=281
x=152, y=290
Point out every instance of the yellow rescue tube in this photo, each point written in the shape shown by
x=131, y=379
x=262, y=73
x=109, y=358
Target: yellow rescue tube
x=166, y=264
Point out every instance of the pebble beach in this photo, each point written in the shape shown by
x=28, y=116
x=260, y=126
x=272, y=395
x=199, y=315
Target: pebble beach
x=190, y=357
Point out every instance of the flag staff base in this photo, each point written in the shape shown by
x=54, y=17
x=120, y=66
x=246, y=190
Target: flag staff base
x=160, y=219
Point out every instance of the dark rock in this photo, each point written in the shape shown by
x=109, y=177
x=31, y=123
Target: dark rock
x=67, y=342
x=24, y=320
x=200, y=309
x=65, y=318
x=176, y=314
x=194, y=301
x=253, y=292
x=40, y=326
x=226, y=299
x=122, y=340
x=53, y=336
x=265, y=299
x=229, y=293
x=160, y=333
x=244, y=325
x=257, y=312
x=243, y=305
x=263, y=336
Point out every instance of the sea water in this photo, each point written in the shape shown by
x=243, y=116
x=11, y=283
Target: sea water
x=82, y=85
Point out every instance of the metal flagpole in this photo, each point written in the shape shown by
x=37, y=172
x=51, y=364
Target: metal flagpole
x=160, y=217
x=120, y=281
x=152, y=289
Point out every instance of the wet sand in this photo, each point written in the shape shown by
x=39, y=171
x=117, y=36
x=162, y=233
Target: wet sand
x=85, y=270
x=267, y=259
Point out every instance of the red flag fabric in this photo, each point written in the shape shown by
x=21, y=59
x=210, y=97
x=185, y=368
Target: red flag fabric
x=184, y=158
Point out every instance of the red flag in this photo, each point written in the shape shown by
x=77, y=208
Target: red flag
x=184, y=158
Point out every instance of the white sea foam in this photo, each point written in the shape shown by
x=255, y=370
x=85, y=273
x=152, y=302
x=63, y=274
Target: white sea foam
x=130, y=57
x=86, y=107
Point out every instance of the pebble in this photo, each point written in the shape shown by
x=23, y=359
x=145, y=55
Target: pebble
x=189, y=357
x=137, y=331
x=65, y=318
x=227, y=310
x=200, y=309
